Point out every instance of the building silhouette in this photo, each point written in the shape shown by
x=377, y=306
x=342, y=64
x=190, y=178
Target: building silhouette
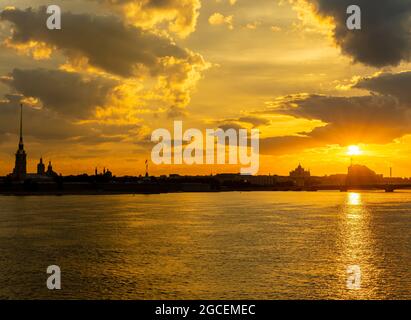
x=50, y=171
x=300, y=176
x=41, y=168
x=106, y=173
x=20, y=167
x=362, y=175
x=300, y=172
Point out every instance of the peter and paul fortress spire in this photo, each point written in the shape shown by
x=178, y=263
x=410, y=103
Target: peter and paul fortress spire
x=20, y=167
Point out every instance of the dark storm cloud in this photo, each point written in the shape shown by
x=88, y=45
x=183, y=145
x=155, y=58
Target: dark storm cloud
x=105, y=41
x=66, y=93
x=394, y=84
x=385, y=37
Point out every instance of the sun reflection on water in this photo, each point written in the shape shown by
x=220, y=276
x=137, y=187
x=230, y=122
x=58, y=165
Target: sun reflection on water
x=357, y=242
x=354, y=199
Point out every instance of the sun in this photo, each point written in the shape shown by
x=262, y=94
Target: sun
x=354, y=150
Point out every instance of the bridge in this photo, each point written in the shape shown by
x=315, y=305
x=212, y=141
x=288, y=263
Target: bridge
x=345, y=188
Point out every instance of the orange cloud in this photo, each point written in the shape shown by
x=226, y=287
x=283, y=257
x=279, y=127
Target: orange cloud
x=217, y=19
x=179, y=15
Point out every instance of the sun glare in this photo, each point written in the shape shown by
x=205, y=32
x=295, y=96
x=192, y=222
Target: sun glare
x=354, y=151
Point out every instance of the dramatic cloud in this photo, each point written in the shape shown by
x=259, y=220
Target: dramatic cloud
x=66, y=93
x=397, y=85
x=368, y=119
x=180, y=15
x=378, y=118
x=385, y=122
x=104, y=41
x=385, y=37
x=45, y=124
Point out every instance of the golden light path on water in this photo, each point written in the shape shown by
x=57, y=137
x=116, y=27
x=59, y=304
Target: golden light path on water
x=357, y=242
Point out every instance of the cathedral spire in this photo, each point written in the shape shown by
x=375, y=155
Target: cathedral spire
x=20, y=168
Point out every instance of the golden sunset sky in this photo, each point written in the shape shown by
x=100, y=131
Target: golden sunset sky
x=119, y=69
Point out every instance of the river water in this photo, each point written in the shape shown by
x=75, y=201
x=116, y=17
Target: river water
x=256, y=245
